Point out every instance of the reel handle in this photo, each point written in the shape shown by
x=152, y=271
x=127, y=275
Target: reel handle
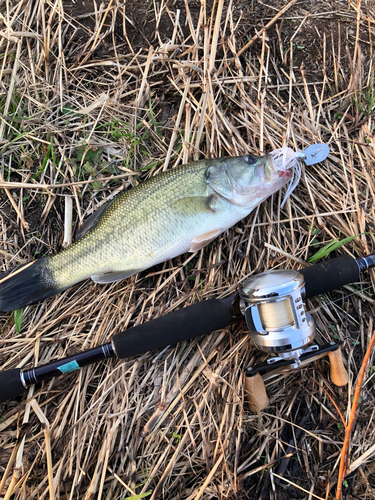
x=255, y=392
x=339, y=375
x=254, y=382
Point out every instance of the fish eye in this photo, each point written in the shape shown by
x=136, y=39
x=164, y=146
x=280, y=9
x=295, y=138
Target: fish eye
x=250, y=159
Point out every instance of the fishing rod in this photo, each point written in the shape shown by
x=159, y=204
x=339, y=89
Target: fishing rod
x=273, y=304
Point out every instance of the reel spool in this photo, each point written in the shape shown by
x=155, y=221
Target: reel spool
x=274, y=306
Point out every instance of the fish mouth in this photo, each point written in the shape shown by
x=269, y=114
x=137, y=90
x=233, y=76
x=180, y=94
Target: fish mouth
x=285, y=173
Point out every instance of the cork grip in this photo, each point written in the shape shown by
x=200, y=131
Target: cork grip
x=339, y=375
x=255, y=392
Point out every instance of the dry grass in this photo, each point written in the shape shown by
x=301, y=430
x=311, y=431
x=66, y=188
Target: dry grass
x=85, y=112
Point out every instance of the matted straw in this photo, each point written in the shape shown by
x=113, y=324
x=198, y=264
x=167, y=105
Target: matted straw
x=173, y=424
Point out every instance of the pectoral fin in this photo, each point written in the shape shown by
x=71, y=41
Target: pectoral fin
x=111, y=276
x=204, y=239
x=91, y=222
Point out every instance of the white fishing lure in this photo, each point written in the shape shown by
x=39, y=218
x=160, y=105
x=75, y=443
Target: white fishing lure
x=285, y=159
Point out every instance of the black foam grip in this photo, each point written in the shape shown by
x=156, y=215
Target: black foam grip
x=10, y=384
x=329, y=275
x=189, y=322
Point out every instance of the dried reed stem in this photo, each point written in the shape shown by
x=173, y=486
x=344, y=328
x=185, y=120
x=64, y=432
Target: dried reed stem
x=353, y=414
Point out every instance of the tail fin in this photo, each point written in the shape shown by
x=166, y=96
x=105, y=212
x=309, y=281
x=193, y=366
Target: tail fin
x=26, y=285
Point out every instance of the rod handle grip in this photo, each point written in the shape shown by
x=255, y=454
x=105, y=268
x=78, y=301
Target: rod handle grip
x=339, y=375
x=256, y=394
x=186, y=323
x=10, y=384
x=329, y=275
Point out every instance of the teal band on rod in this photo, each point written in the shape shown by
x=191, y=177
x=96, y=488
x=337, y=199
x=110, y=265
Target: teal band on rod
x=69, y=367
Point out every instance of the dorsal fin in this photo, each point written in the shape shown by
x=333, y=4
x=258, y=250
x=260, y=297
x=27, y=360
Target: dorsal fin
x=91, y=222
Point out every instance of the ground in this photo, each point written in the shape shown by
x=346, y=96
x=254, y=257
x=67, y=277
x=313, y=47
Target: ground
x=95, y=98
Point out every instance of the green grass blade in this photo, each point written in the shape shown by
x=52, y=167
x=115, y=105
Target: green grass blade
x=156, y=125
x=331, y=247
x=141, y=495
x=18, y=319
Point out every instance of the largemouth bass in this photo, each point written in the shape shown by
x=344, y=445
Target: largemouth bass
x=180, y=210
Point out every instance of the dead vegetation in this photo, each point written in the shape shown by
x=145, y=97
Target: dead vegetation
x=97, y=98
